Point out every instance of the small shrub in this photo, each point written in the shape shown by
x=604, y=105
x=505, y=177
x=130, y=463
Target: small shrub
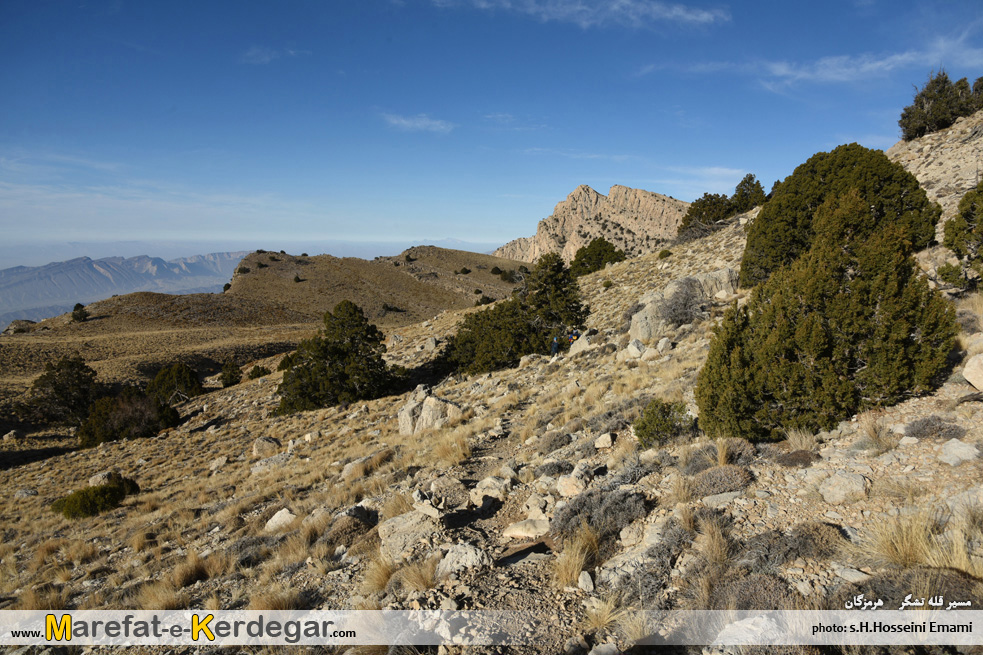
x=274, y=258
x=242, y=270
x=79, y=313
x=260, y=265
x=408, y=258
x=554, y=469
x=664, y=253
x=721, y=479
x=258, y=372
x=175, y=382
x=464, y=270
x=226, y=287
x=287, y=362
x=231, y=375
x=508, y=276
x=297, y=278
x=496, y=270
x=386, y=307
x=607, y=284
x=607, y=512
x=661, y=421
x=92, y=501
x=477, y=292
x=483, y=300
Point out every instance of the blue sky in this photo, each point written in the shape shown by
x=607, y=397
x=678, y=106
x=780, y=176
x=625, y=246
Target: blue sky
x=284, y=124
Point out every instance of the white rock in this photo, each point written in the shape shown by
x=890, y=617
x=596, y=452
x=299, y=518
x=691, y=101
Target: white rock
x=266, y=447
x=492, y=487
x=606, y=440
x=400, y=534
x=955, y=452
x=280, y=520
x=105, y=477
x=528, y=529
x=973, y=371
x=664, y=345
x=634, y=349
x=585, y=582
x=842, y=487
x=218, y=463
x=462, y=557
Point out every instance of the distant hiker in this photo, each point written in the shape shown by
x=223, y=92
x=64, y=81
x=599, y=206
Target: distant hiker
x=555, y=348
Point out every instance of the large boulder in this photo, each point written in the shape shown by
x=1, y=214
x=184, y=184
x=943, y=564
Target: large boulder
x=435, y=413
x=266, y=447
x=648, y=324
x=461, y=557
x=407, y=416
x=400, y=534
x=973, y=371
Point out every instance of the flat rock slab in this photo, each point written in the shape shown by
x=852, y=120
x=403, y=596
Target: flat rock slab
x=400, y=534
x=462, y=557
x=843, y=487
x=955, y=452
x=973, y=371
x=528, y=529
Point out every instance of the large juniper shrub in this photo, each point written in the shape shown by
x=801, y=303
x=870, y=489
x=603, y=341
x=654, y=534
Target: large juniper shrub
x=129, y=415
x=938, y=104
x=594, y=256
x=342, y=364
x=175, y=383
x=783, y=230
x=65, y=391
x=846, y=327
x=964, y=233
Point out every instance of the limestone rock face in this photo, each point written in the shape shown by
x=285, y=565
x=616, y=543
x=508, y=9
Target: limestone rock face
x=944, y=162
x=634, y=220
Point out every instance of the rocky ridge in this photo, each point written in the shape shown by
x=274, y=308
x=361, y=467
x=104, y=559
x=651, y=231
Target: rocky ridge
x=634, y=220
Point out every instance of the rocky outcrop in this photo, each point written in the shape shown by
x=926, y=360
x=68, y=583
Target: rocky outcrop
x=634, y=220
x=946, y=163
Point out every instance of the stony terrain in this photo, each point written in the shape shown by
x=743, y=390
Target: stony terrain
x=522, y=489
x=634, y=220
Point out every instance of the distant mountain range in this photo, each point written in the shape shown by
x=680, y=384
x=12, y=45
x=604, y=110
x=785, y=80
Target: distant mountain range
x=37, y=292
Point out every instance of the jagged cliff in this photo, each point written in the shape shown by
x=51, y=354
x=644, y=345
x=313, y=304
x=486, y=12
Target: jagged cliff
x=634, y=220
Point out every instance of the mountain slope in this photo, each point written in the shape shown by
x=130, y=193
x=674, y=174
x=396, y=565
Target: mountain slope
x=35, y=292
x=634, y=220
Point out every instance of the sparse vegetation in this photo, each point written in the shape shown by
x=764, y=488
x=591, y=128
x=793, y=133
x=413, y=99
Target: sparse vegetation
x=65, y=391
x=938, y=104
x=257, y=372
x=964, y=236
x=80, y=314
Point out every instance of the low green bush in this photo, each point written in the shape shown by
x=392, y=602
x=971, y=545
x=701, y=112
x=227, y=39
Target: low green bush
x=175, y=382
x=92, y=501
x=662, y=421
x=129, y=415
x=231, y=375
x=258, y=372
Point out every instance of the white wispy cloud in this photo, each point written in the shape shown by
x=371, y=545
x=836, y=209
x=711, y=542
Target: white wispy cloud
x=577, y=154
x=843, y=68
x=259, y=55
x=593, y=13
x=418, y=123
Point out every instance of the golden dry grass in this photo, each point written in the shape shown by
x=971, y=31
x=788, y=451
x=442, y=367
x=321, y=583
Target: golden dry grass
x=580, y=552
x=603, y=614
x=679, y=492
x=714, y=543
x=279, y=598
x=396, y=505
x=45, y=598
x=378, y=573
x=190, y=571
x=873, y=436
x=161, y=595
x=420, y=575
x=799, y=439
x=905, y=541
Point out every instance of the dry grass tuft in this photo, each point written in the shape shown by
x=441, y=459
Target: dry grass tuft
x=378, y=573
x=603, y=614
x=580, y=552
x=142, y=540
x=190, y=571
x=45, y=598
x=161, y=596
x=79, y=552
x=899, y=489
x=873, y=436
x=420, y=575
x=452, y=448
x=680, y=492
x=633, y=626
x=278, y=599
x=715, y=545
x=799, y=439
x=396, y=505
x=905, y=541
